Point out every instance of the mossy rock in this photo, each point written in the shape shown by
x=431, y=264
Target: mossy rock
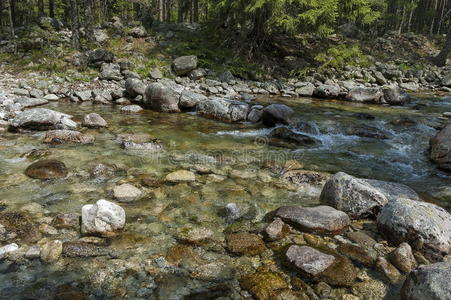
x=245, y=244
x=264, y=285
x=341, y=273
x=21, y=225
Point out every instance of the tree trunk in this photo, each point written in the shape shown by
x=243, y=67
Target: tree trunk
x=440, y=59
x=10, y=20
x=52, y=9
x=196, y=10
x=89, y=20
x=41, y=8
x=75, y=24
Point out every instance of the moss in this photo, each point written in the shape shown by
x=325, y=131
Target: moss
x=263, y=284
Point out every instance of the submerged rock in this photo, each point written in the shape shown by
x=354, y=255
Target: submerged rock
x=441, y=149
x=361, y=198
x=428, y=282
x=245, y=244
x=47, y=169
x=67, y=136
x=386, y=268
x=319, y=219
x=82, y=249
x=264, y=284
x=131, y=109
x=367, y=132
x=180, y=176
x=94, y=120
x=424, y=226
x=42, y=119
x=103, y=218
x=126, y=192
x=282, y=134
x=51, y=251
x=277, y=114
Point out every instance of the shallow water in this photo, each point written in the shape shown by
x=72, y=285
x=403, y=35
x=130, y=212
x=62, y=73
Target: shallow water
x=193, y=142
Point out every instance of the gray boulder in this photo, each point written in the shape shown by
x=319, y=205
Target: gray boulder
x=99, y=56
x=26, y=102
x=428, y=282
x=135, y=87
x=441, y=149
x=446, y=80
x=305, y=89
x=277, y=114
x=327, y=91
x=184, y=64
x=362, y=94
x=395, y=96
x=361, y=198
x=189, y=99
x=161, y=97
x=256, y=113
x=94, y=120
x=111, y=72
x=425, y=226
x=42, y=119
x=319, y=219
x=223, y=110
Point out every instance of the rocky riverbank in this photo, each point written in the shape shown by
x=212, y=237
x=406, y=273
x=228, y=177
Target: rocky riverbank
x=146, y=196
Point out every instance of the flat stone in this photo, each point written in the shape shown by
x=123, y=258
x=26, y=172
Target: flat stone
x=308, y=259
x=320, y=219
x=67, y=136
x=81, y=249
x=131, y=109
x=126, y=192
x=26, y=102
x=180, y=176
x=42, y=119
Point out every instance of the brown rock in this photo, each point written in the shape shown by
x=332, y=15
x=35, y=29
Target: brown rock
x=403, y=258
x=358, y=254
x=67, y=136
x=47, y=169
x=388, y=270
x=276, y=230
x=264, y=284
x=245, y=244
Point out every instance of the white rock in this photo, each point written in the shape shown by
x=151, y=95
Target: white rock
x=8, y=249
x=104, y=218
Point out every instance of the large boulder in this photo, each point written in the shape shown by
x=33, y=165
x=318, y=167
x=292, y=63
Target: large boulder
x=184, y=64
x=319, y=219
x=223, y=109
x=42, y=119
x=361, y=198
x=98, y=56
x=395, y=96
x=425, y=226
x=189, y=99
x=277, y=114
x=111, y=71
x=428, y=282
x=327, y=91
x=94, y=120
x=103, y=218
x=47, y=169
x=363, y=94
x=441, y=149
x=135, y=87
x=161, y=97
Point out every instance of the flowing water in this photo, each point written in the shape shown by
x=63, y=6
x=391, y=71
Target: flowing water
x=235, y=152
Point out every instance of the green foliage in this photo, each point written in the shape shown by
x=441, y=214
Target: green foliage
x=341, y=56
